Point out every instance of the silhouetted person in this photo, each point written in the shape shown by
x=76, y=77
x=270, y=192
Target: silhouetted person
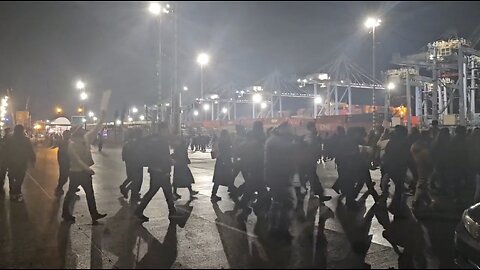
x=63, y=162
x=3, y=160
x=308, y=168
x=458, y=161
x=279, y=171
x=223, y=173
x=133, y=155
x=100, y=141
x=440, y=156
x=81, y=174
x=396, y=160
x=434, y=130
x=19, y=154
x=159, y=167
x=421, y=153
x=182, y=176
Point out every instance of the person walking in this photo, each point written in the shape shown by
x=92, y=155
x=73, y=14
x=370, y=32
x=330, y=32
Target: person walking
x=279, y=172
x=19, y=153
x=182, y=176
x=81, y=173
x=63, y=162
x=132, y=153
x=159, y=165
x=223, y=173
x=421, y=153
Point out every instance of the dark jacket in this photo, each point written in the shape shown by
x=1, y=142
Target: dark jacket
x=279, y=160
x=133, y=152
x=62, y=154
x=397, y=156
x=19, y=152
x=158, y=154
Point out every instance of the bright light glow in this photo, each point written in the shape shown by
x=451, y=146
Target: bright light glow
x=118, y=122
x=37, y=126
x=130, y=119
x=195, y=113
x=372, y=22
x=83, y=96
x=263, y=105
x=257, y=98
x=318, y=100
x=134, y=110
x=168, y=104
x=323, y=76
x=80, y=85
x=224, y=110
x=95, y=118
x=206, y=107
x=214, y=96
x=48, y=121
x=84, y=120
x=80, y=110
x=142, y=117
x=390, y=86
x=154, y=8
x=203, y=59
x=185, y=88
x=59, y=110
x=91, y=114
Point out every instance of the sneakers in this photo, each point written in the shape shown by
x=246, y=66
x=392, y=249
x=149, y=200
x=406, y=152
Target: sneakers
x=68, y=218
x=59, y=192
x=215, y=199
x=98, y=216
x=124, y=192
x=176, y=196
x=142, y=217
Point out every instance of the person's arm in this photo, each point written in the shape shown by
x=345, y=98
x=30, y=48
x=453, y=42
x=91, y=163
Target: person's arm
x=91, y=135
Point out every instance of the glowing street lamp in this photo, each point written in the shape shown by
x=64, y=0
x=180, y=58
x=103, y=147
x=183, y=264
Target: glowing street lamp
x=118, y=122
x=80, y=85
x=202, y=59
x=206, y=107
x=130, y=119
x=59, y=110
x=390, y=86
x=91, y=114
x=134, y=110
x=83, y=96
x=195, y=113
x=142, y=117
x=373, y=23
x=318, y=100
x=224, y=110
x=263, y=105
x=95, y=119
x=185, y=88
x=156, y=9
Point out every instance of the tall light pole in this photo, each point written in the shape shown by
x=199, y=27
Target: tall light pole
x=373, y=23
x=156, y=9
x=202, y=59
x=80, y=85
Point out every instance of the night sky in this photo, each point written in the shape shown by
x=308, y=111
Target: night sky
x=45, y=47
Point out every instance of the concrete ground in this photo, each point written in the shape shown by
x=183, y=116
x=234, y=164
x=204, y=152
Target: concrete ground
x=32, y=234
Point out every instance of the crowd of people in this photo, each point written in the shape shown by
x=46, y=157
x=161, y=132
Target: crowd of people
x=278, y=167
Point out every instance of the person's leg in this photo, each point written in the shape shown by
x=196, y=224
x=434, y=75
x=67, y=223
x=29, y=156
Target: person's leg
x=63, y=177
x=396, y=206
x=154, y=187
x=422, y=194
x=86, y=183
x=167, y=191
x=70, y=196
x=136, y=184
x=215, y=189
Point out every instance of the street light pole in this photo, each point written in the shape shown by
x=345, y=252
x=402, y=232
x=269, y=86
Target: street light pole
x=373, y=23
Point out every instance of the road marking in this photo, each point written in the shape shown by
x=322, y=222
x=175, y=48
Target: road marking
x=40, y=186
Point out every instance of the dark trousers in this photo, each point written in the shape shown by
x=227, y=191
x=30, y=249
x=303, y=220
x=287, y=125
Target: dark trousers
x=3, y=174
x=63, y=175
x=134, y=179
x=309, y=173
x=284, y=202
x=84, y=180
x=158, y=180
x=16, y=175
x=398, y=201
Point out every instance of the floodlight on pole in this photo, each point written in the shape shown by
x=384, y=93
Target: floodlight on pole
x=80, y=85
x=263, y=105
x=142, y=117
x=91, y=114
x=185, y=88
x=206, y=107
x=134, y=110
x=83, y=96
x=318, y=100
x=257, y=98
x=203, y=59
x=59, y=110
x=224, y=110
x=155, y=8
x=195, y=113
x=390, y=86
x=372, y=22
